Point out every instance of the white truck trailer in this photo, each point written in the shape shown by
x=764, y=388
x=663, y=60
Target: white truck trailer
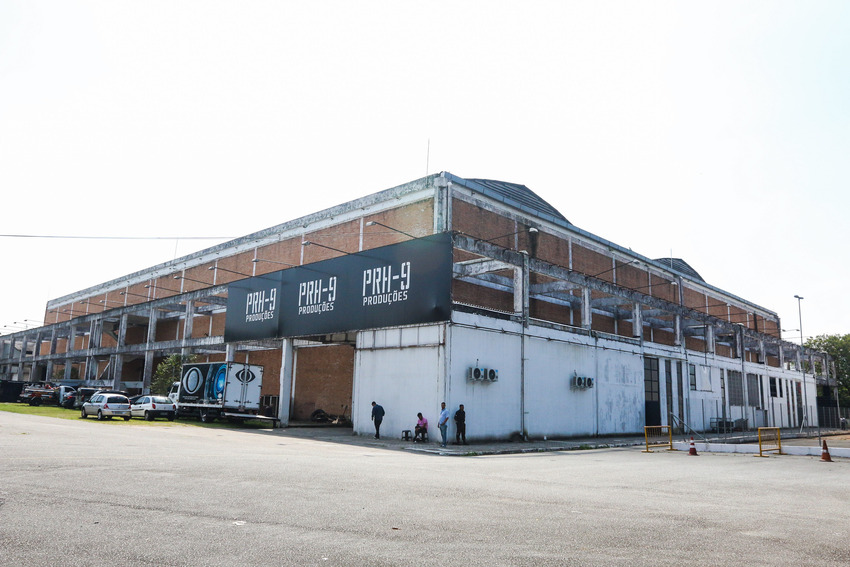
x=219, y=390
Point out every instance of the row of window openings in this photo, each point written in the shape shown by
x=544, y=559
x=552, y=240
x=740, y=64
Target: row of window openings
x=733, y=378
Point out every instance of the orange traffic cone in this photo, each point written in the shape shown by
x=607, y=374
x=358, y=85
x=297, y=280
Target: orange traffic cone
x=824, y=456
x=693, y=450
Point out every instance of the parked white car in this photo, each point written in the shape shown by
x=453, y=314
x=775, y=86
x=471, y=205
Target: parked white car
x=151, y=407
x=106, y=406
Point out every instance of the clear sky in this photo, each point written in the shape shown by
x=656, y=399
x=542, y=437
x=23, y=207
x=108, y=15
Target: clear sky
x=718, y=132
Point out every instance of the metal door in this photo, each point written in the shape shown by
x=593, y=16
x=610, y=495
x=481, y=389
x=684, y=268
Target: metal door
x=652, y=398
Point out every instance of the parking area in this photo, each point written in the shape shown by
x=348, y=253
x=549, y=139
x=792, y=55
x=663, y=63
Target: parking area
x=177, y=495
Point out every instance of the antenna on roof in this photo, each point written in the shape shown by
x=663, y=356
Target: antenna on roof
x=428, y=158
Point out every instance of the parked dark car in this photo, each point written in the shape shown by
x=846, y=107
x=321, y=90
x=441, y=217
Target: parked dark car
x=70, y=401
x=83, y=395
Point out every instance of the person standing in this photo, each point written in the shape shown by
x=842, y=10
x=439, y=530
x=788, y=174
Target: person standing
x=460, y=423
x=377, y=417
x=443, y=423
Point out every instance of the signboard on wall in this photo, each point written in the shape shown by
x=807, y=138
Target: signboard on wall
x=400, y=284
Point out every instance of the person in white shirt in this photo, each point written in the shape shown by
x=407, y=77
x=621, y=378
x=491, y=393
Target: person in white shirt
x=443, y=423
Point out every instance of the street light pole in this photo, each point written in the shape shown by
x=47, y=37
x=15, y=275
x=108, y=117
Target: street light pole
x=802, y=352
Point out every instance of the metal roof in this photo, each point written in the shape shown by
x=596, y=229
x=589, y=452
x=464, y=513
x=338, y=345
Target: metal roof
x=515, y=195
x=680, y=266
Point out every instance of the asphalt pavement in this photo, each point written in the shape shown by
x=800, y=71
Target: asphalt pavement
x=84, y=492
x=337, y=434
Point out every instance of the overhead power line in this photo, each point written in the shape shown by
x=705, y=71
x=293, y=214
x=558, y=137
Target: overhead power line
x=117, y=237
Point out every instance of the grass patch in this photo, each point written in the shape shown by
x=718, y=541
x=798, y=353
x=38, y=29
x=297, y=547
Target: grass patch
x=46, y=411
x=62, y=413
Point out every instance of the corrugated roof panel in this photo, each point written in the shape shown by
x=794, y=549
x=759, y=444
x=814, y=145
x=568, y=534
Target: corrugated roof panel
x=680, y=266
x=514, y=193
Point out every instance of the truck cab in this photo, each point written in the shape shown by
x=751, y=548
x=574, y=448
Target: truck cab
x=174, y=392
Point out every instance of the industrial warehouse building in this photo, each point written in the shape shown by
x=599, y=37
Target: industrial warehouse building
x=468, y=291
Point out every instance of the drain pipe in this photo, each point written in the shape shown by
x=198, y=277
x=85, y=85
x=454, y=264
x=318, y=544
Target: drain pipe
x=522, y=384
x=525, y=316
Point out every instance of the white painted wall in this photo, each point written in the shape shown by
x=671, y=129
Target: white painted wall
x=552, y=408
x=413, y=369
x=492, y=409
x=401, y=369
x=621, y=390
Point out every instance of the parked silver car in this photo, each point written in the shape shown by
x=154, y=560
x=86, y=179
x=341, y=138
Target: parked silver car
x=106, y=406
x=151, y=407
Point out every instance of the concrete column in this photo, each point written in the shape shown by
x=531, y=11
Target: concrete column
x=442, y=205
x=4, y=368
x=118, y=359
x=286, y=369
x=745, y=386
x=99, y=337
x=51, y=351
x=93, y=335
x=32, y=343
x=188, y=326
x=34, y=375
x=122, y=330
x=586, y=314
x=91, y=368
x=5, y=353
x=91, y=363
x=518, y=291
x=637, y=321
x=521, y=284
x=739, y=343
x=21, y=355
x=72, y=338
x=679, y=335
x=36, y=351
x=147, y=373
x=152, y=320
x=709, y=339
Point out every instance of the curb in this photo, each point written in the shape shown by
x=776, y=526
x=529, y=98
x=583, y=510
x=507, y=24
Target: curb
x=794, y=450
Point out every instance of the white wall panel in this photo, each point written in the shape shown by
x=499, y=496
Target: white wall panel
x=620, y=391
x=413, y=369
x=552, y=408
x=403, y=380
x=492, y=409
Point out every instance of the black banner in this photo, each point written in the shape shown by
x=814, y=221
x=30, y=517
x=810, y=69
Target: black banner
x=400, y=284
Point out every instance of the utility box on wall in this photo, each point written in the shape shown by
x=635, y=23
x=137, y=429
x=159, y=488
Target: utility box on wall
x=477, y=374
x=581, y=382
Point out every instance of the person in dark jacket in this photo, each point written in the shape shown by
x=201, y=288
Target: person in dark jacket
x=377, y=417
x=460, y=423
